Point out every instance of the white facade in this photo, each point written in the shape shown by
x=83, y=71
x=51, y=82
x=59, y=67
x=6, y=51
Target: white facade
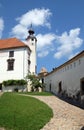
x=67, y=78
x=31, y=41
x=21, y=65
x=23, y=61
x=32, y=44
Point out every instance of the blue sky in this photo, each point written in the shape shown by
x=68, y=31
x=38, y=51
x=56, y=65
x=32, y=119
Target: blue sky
x=58, y=26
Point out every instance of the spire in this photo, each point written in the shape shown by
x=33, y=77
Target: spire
x=31, y=32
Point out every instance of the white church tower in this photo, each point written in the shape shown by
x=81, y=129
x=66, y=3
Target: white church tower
x=32, y=43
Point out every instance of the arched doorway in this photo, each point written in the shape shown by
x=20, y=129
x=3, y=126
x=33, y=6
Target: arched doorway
x=60, y=87
x=50, y=87
x=82, y=86
x=0, y=87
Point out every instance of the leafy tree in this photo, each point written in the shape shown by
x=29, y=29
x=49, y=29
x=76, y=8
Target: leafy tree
x=35, y=82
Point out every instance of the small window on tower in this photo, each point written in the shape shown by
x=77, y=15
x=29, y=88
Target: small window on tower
x=32, y=39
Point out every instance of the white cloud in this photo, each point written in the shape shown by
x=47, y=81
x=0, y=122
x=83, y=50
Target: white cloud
x=19, y=31
x=63, y=45
x=44, y=40
x=1, y=26
x=43, y=53
x=68, y=42
x=45, y=44
x=38, y=17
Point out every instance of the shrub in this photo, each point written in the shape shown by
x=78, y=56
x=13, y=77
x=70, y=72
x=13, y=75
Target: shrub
x=35, y=82
x=14, y=82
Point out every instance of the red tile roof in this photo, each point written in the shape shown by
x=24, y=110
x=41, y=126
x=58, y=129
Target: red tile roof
x=11, y=43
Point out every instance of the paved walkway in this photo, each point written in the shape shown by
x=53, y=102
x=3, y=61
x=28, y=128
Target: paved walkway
x=1, y=93
x=66, y=116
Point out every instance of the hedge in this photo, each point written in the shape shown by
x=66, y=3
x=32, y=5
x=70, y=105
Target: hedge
x=14, y=82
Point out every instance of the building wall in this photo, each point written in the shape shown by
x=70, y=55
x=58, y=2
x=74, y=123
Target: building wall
x=20, y=64
x=32, y=44
x=68, y=77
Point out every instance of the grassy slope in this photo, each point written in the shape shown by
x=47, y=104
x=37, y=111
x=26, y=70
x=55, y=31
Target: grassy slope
x=39, y=93
x=23, y=113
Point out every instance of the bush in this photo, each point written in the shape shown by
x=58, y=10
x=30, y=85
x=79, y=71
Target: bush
x=14, y=82
x=35, y=82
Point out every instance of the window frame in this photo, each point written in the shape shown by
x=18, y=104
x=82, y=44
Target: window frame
x=10, y=64
x=11, y=53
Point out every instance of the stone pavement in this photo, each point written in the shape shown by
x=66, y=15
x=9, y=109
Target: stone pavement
x=1, y=93
x=65, y=115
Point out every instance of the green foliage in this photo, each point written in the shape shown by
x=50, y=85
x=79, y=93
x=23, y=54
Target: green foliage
x=23, y=112
x=14, y=82
x=35, y=81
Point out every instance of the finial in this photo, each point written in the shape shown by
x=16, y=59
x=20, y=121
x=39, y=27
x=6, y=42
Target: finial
x=31, y=32
x=31, y=26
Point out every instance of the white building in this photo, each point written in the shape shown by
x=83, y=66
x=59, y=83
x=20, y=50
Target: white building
x=68, y=79
x=17, y=59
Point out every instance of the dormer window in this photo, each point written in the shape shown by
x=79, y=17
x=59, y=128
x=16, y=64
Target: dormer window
x=11, y=53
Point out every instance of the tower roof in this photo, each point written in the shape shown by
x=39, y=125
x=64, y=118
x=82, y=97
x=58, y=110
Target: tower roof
x=43, y=70
x=31, y=32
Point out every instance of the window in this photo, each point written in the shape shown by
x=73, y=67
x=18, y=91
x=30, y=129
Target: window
x=79, y=61
x=67, y=67
x=11, y=53
x=10, y=64
x=28, y=56
x=71, y=66
x=74, y=64
x=32, y=39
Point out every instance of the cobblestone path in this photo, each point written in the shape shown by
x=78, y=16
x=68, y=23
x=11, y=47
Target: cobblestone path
x=65, y=115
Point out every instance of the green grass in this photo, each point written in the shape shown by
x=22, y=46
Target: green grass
x=23, y=113
x=39, y=93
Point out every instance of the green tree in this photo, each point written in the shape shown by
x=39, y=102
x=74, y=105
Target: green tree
x=35, y=82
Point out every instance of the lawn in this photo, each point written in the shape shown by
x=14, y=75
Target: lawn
x=39, y=93
x=23, y=113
